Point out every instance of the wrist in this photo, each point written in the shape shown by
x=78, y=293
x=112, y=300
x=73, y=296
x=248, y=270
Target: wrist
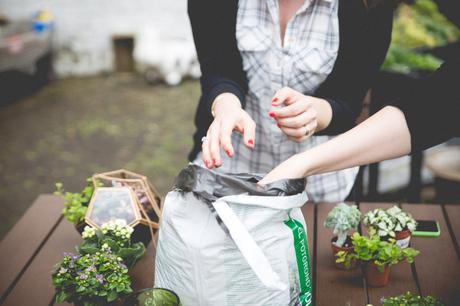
x=223, y=103
x=324, y=113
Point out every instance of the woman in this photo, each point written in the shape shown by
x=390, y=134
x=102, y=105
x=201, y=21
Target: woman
x=427, y=115
x=322, y=54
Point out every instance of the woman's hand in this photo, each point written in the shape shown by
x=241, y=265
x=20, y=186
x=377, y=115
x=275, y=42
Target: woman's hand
x=294, y=167
x=301, y=115
x=228, y=116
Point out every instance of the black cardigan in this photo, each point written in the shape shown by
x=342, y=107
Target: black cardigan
x=364, y=39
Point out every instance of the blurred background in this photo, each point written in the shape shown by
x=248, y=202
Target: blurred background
x=89, y=86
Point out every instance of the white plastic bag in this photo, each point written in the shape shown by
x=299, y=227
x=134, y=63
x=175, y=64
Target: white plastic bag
x=237, y=249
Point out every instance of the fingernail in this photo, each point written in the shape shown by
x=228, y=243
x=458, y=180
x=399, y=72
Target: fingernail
x=271, y=114
x=251, y=142
x=278, y=125
x=274, y=101
x=229, y=154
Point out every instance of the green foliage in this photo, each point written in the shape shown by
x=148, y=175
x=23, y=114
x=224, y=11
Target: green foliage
x=92, y=279
x=418, y=26
x=75, y=204
x=410, y=299
x=341, y=219
x=387, y=222
x=372, y=249
x=113, y=237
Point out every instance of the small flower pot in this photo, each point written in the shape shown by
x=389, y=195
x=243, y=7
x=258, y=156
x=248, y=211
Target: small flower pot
x=347, y=247
x=374, y=277
x=403, y=238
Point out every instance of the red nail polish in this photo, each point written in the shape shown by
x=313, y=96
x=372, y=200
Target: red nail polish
x=251, y=142
x=271, y=114
x=274, y=100
x=229, y=154
x=278, y=125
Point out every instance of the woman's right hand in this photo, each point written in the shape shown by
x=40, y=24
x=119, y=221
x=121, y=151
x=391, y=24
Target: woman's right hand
x=228, y=116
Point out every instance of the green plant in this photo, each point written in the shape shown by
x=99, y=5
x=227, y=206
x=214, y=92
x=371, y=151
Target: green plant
x=342, y=218
x=113, y=237
x=373, y=250
x=75, y=204
x=91, y=279
x=418, y=26
x=410, y=299
x=386, y=222
x=402, y=219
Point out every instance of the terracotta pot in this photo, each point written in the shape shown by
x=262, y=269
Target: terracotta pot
x=375, y=278
x=403, y=238
x=347, y=247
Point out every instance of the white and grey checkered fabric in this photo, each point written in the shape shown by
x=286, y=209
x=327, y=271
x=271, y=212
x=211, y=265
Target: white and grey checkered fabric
x=303, y=62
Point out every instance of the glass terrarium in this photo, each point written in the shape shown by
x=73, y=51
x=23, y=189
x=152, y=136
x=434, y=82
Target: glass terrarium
x=109, y=204
x=147, y=202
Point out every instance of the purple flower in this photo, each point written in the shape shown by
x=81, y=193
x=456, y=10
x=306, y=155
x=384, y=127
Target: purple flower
x=100, y=278
x=382, y=300
x=83, y=276
x=123, y=265
x=68, y=254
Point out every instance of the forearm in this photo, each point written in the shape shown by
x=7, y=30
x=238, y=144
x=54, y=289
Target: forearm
x=324, y=111
x=383, y=136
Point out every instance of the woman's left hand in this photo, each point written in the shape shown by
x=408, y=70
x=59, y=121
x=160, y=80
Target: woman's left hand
x=301, y=115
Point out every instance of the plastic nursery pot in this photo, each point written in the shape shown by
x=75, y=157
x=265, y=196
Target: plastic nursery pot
x=375, y=278
x=403, y=238
x=348, y=248
x=153, y=297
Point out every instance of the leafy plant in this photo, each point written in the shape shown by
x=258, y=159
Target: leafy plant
x=410, y=299
x=386, y=222
x=91, y=279
x=402, y=219
x=114, y=237
x=76, y=204
x=342, y=218
x=415, y=27
x=373, y=250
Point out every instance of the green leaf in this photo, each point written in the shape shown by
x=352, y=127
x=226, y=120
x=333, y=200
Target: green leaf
x=61, y=297
x=112, y=296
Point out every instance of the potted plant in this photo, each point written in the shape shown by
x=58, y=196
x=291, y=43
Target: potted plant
x=341, y=219
x=392, y=223
x=377, y=257
x=115, y=237
x=411, y=299
x=91, y=279
x=76, y=204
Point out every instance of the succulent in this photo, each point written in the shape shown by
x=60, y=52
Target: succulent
x=342, y=218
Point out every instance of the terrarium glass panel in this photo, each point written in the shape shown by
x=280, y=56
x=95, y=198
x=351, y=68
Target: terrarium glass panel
x=111, y=204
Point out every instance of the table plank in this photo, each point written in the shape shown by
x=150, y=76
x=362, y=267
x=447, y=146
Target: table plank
x=438, y=267
x=401, y=277
x=143, y=273
x=25, y=239
x=453, y=214
x=34, y=287
x=334, y=286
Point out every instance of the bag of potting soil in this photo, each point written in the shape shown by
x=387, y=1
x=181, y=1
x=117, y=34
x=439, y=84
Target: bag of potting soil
x=224, y=240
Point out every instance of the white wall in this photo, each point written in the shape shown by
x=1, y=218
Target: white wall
x=83, y=28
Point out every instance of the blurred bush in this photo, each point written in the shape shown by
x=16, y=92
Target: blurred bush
x=417, y=27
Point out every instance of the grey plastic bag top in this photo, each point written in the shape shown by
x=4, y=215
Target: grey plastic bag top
x=211, y=185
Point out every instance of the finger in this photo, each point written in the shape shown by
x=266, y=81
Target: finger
x=296, y=121
x=306, y=130
x=205, y=154
x=249, y=132
x=298, y=139
x=284, y=95
x=214, y=143
x=291, y=110
x=226, y=130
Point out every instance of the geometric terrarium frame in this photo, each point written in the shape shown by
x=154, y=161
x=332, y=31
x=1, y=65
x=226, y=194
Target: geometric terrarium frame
x=145, y=198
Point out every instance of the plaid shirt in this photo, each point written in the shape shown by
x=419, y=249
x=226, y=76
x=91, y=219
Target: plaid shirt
x=310, y=49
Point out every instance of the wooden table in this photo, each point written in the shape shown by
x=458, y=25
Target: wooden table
x=37, y=241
